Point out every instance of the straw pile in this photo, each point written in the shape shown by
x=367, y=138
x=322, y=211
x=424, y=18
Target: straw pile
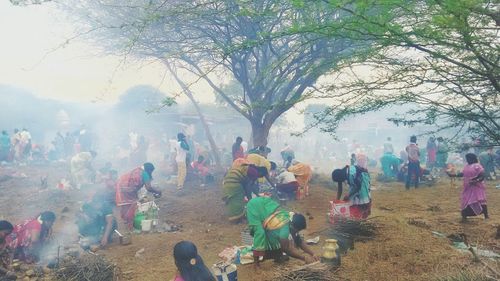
x=360, y=230
x=305, y=274
x=347, y=231
x=85, y=268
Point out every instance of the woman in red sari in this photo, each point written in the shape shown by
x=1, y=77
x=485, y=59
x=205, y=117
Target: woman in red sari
x=28, y=238
x=127, y=187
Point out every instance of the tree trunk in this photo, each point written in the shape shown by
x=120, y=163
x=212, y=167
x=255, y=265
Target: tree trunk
x=189, y=94
x=213, y=145
x=260, y=133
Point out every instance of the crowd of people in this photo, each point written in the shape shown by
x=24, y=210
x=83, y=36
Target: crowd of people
x=16, y=147
x=253, y=188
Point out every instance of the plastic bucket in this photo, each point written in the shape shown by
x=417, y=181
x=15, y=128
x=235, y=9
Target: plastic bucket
x=139, y=217
x=146, y=225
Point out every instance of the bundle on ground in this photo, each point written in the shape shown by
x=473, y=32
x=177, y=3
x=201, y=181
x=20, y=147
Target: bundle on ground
x=358, y=229
x=346, y=231
x=86, y=267
x=305, y=274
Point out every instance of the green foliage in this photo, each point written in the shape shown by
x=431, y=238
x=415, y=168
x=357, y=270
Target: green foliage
x=439, y=56
x=28, y=2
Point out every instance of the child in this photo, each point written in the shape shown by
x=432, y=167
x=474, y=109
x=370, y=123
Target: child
x=190, y=266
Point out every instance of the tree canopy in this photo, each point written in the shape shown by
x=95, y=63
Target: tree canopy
x=439, y=56
x=251, y=42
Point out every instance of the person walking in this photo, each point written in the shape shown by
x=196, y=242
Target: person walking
x=181, y=149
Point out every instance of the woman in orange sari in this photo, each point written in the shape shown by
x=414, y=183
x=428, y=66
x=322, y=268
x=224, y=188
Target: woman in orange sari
x=303, y=174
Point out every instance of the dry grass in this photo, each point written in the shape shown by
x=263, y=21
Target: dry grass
x=402, y=251
x=467, y=275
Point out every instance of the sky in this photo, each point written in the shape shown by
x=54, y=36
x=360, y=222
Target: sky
x=32, y=58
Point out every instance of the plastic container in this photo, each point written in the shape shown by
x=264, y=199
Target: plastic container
x=139, y=217
x=146, y=225
x=225, y=272
x=246, y=238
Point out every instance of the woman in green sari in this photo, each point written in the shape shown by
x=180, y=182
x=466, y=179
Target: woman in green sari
x=271, y=228
x=238, y=183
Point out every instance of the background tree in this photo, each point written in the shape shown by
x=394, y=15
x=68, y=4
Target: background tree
x=226, y=38
x=439, y=56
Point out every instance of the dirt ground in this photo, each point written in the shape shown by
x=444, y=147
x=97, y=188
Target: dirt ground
x=400, y=251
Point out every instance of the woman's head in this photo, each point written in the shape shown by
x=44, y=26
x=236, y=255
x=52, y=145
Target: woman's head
x=189, y=263
x=471, y=158
x=262, y=171
x=362, y=160
x=273, y=166
x=149, y=168
x=181, y=136
x=48, y=218
x=5, y=229
x=340, y=175
x=299, y=222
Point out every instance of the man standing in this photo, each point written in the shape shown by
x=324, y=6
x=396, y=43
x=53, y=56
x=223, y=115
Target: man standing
x=181, y=149
x=388, y=148
x=238, y=149
x=413, y=162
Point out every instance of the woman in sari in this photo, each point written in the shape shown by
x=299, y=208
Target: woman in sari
x=474, y=192
x=359, y=188
x=127, y=187
x=240, y=182
x=28, y=238
x=271, y=228
x=431, y=152
x=358, y=178
x=303, y=174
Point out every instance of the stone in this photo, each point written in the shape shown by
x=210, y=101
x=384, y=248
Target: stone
x=30, y=273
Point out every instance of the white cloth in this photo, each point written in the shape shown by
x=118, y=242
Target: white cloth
x=180, y=153
x=388, y=148
x=25, y=136
x=286, y=177
x=244, y=144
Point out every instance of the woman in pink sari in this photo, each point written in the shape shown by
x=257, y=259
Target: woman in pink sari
x=474, y=192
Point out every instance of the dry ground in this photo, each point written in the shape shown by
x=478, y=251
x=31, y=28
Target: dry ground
x=401, y=251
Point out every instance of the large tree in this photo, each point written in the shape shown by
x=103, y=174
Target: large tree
x=441, y=57
x=220, y=39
